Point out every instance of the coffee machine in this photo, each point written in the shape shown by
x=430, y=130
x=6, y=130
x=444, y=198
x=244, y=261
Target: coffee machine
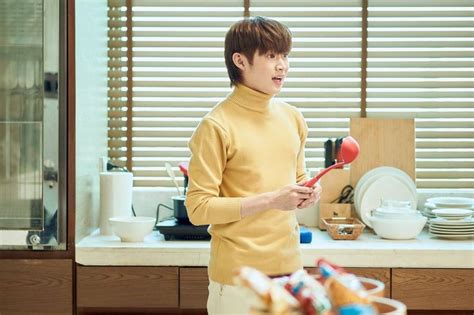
x=179, y=227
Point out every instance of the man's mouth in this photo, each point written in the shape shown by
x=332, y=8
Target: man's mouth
x=278, y=79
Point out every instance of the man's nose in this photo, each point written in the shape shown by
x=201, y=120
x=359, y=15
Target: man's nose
x=280, y=64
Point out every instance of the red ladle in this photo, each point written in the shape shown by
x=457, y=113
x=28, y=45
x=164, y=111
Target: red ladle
x=349, y=151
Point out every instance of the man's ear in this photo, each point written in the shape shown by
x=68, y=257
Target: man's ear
x=240, y=61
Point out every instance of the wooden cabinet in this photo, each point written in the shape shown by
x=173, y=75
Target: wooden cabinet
x=36, y=286
x=127, y=287
x=434, y=289
x=193, y=288
x=185, y=289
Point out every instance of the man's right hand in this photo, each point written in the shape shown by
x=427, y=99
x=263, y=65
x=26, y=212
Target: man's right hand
x=289, y=197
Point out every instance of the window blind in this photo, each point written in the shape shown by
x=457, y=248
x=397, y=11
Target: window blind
x=421, y=66
x=178, y=75
x=420, y=62
x=325, y=65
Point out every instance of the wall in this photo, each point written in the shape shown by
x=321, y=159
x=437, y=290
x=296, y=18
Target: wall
x=91, y=110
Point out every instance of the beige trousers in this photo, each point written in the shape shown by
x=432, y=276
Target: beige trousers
x=228, y=299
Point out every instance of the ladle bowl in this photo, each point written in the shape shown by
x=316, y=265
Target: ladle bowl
x=349, y=152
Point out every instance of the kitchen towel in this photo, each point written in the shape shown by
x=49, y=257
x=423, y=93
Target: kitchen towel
x=115, y=198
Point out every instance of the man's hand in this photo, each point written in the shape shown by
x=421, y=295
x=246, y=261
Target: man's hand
x=313, y=198
x=290, y=196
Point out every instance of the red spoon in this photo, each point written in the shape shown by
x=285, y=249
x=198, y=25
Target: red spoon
x=349, y=152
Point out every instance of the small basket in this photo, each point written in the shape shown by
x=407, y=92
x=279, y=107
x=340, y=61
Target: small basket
x=344, y=228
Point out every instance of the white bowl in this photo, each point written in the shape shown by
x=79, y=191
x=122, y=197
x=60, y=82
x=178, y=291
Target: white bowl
x=132, y=229
x=398, y=229
x=395, y=213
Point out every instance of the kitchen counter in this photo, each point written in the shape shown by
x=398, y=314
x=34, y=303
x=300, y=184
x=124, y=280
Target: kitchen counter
x=367, y=251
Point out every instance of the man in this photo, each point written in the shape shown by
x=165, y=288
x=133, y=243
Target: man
x=247, y=166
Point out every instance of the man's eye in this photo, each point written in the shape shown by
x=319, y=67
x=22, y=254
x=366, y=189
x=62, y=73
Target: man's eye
x=271, y=56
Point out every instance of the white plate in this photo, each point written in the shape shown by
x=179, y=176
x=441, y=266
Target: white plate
x=452, y=212
x=452, y=236
x=451, y=231
x=452, y=218
x=451, y=227
x=442, y=221
x=428, y=214
x=377, y=172
x=451, y=202
x=386, y=187
x=430, y=206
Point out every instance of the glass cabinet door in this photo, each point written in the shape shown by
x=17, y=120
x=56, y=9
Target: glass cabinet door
x=32, y=136
x=21, y=115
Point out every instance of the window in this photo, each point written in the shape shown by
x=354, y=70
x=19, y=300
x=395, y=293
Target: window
x=419, y=57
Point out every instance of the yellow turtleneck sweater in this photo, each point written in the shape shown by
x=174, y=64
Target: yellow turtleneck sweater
x=247, y=145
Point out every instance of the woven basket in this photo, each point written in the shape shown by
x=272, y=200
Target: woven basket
x=344, y=228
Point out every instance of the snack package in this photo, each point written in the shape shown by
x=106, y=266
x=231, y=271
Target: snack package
x=275, y=299
x=343, y=288
x=309, y=292
x=356, y=310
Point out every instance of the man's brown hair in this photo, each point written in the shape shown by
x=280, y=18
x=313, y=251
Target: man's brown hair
x=254, y=34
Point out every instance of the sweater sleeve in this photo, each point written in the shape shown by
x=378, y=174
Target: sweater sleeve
x=301, y=165
x=208, y=147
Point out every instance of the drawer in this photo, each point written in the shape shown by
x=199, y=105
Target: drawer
x=127, y=287
x=193, y=288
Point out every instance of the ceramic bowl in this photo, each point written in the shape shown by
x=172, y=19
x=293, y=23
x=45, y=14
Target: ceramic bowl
x=395, y=213
x=132, y=229
x=398, y=228
x=387, y=306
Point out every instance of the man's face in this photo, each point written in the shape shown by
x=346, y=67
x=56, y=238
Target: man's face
x=267, y=72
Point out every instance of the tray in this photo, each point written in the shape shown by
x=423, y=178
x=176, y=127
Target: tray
x=344, y=228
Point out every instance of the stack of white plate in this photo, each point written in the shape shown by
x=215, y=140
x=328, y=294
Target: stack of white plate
x=452, y=229
x=446, y=202
x=382, y=183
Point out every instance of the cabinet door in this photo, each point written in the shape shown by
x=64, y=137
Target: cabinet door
x=36, y=286
x=193, y=288
x=127, y=287
x=431, y=289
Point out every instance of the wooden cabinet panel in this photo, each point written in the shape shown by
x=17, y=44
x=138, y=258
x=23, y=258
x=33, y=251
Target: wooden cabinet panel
x=193, y=288
x=127, y=287
x=36, y=286
x=381, y=274
x=430, y=289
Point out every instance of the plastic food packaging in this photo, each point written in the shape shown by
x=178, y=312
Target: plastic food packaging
x=336, y=292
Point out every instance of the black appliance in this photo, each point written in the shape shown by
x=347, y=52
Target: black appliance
x=179, y=227
x=173, y=229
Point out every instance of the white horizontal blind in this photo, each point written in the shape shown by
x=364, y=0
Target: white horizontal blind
x=179, y=74
x=421, y=65
x=325, y=65
x=420, y=62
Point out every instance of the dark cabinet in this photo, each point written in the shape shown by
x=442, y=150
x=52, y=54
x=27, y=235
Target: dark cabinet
x=193, y=284
x=36, y=286
x=127, y=287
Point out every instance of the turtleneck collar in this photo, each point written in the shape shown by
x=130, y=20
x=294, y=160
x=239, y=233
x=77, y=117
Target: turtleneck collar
x=251, y=99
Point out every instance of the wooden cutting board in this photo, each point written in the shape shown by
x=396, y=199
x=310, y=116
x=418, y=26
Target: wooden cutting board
x=383, y=142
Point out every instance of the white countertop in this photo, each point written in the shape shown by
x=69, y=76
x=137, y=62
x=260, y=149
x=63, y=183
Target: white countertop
x=367, y=251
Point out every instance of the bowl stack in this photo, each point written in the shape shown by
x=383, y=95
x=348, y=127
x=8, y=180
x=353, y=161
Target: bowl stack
x=397, y=223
